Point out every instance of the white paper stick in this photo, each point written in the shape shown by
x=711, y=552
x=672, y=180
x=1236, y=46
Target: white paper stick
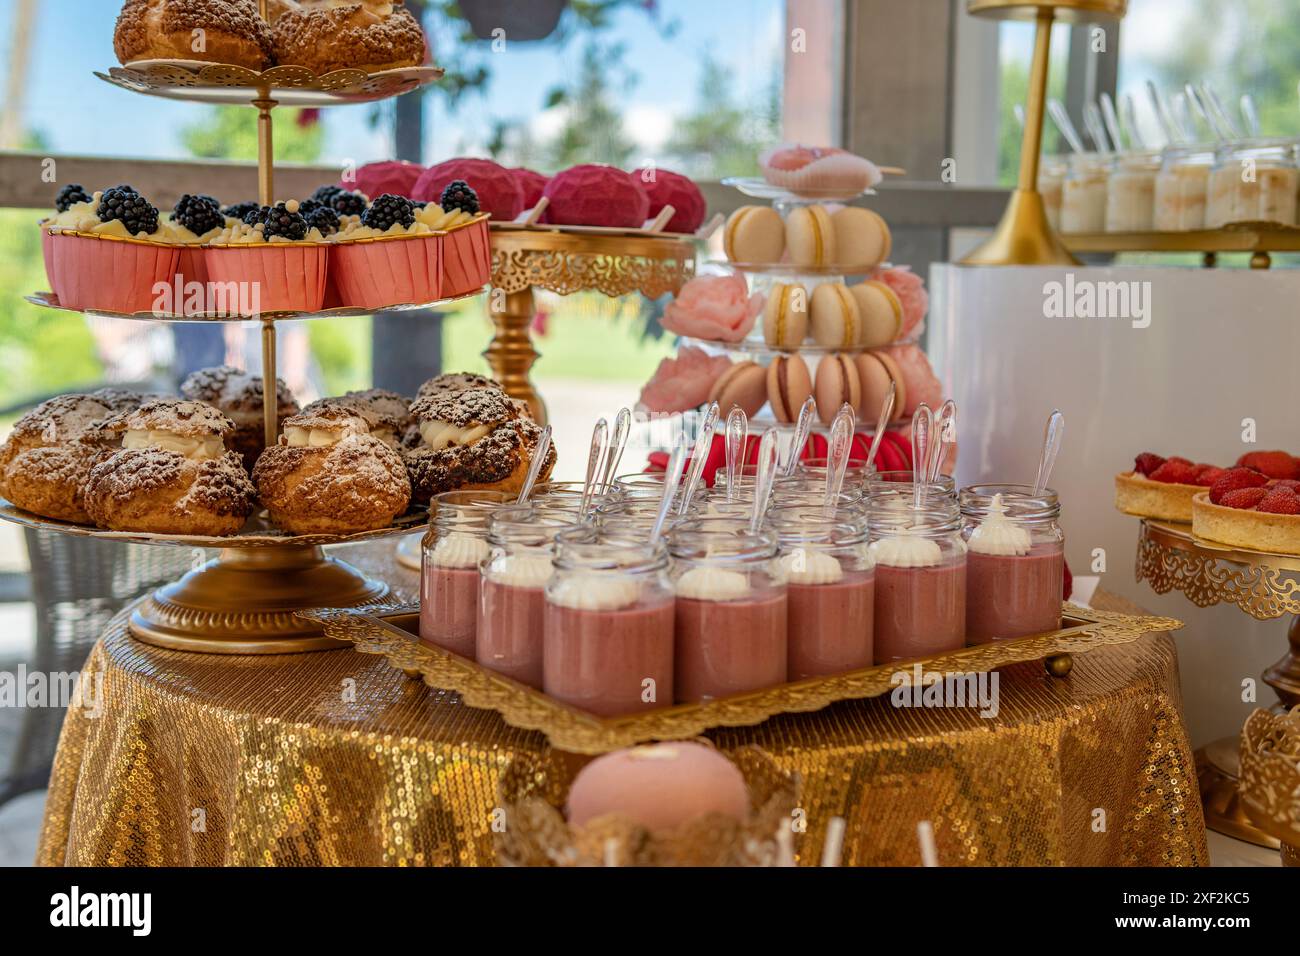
x=833, y=848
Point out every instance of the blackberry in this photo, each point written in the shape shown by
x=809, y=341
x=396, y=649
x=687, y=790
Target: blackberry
x=212, y=201
x=241, y=209
x=70, y=195
x=309, y=206
x=459, y=195
x=419, y=203
x=388, y=210
x=325, y=219
x=198, y=214
x=348, y=204
x=324, y=194
x=281, y=222
x=256, y=214
x=135, y=212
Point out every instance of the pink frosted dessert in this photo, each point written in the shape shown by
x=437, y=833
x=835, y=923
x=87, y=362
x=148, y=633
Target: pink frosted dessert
x=449, y=593
x=920, y=599
x=831, y=624
x=606, y=647
x=1014, y=584
x=731, y=636
x=511, y=619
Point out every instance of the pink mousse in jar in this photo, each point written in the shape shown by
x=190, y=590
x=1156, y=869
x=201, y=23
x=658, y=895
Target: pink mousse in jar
x=1015, y=562
x=731, y=614
x=449, y=580
x=920, y=581
x=830, y=588
x=608, y=626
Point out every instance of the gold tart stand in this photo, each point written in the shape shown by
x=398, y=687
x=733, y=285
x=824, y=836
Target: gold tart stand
x=1260, y=239
x=245, y=601
x=525, y=259
x=1270, y=777
x=1024, y=237
x=1265, y=586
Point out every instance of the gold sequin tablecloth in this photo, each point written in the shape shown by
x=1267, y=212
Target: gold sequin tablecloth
x=336, y=758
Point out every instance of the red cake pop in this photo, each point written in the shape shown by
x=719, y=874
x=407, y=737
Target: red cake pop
x=497, y=189
x=666, y=188
x=596, y=195
x=531, y=184
x=390, y=176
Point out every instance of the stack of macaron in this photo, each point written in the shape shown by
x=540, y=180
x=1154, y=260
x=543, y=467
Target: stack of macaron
x=869, y=314
x=810, y=237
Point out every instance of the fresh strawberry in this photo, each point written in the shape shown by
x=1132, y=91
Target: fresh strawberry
x=1175, y=471
x=1207, y=475
x=1147, y=462
x=1275, y=464
x=1234, y=479
x=1245, y=498
x=1280, y=501
x=1287, y=483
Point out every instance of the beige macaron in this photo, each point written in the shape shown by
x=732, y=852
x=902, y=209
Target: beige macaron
x=789, y=384
x=810, y=237
x=785, y=315
x=833, y=316
x=836, y=384
x=754, y=234
x=861, y=238
x=900, y=387
x=880, y=311
x=744, y=385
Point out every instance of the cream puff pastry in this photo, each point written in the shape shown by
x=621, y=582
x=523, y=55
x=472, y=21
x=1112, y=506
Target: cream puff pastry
x=238, y=396
x=173, y=473
x=328, y=35
x=330, y=475
x=218, y=31
x=387, y=414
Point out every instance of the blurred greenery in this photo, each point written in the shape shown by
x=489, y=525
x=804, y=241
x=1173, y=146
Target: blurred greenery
x=230, y=132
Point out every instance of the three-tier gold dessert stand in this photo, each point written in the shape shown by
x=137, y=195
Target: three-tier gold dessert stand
x=1265, y=586
x=245, y=601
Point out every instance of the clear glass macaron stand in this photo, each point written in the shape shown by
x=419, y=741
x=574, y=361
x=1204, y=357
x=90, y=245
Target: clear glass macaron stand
x=247, y=599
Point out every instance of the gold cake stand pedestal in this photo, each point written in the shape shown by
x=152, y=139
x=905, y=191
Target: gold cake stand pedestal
x=1270, y=777
x=1265, y=586
x=612, y=262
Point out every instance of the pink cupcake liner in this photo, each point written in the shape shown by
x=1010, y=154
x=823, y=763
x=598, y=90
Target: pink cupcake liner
x=466, y=259
x=287, y=277
x=107, y=274
x=375, y=275
x=47, y=252
x=192, y=266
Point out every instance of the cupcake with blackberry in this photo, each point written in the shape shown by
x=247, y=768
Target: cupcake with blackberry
x=194, y=220
x=277, y=250
x=107, y=250
x=396, y=251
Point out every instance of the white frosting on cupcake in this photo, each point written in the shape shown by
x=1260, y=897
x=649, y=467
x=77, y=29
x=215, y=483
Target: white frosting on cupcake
x=998, y=534
x=595, y=592
x=803, y=566
x=712, y=584
x=906, y=551
x=459, y=550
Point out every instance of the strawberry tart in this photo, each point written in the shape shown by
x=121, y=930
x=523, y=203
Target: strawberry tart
x=1248, y=507
x=1163, y=487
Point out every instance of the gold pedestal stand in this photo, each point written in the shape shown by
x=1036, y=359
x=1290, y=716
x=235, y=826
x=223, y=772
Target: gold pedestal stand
x=1024, y=237
x=564, y=261
x=1270, y=777
x=1263, y=585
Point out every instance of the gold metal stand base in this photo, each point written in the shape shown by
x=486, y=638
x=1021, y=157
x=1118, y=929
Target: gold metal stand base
x=1023, y=237
x=245, y=601
x=1217, y=768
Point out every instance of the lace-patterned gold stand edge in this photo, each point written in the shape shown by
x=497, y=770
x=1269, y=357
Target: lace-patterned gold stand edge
x=565, y=262
x=392, y=634
x=199, y=81
x=1270, y=777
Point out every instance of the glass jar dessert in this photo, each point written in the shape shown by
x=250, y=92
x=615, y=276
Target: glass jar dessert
x=451, y=552
x=893, y=485
x=830, y=593
x=1052, y=170
x=512, y=590
x=920, y=560
x=1015, y=561
x=1131, y=191
x=1181, y=188
x=1253, y=181
x=730, y=610
x=607, y=644
x=1083, y=199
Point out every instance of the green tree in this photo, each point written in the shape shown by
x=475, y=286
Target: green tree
x=722, y=137
x=593, y=124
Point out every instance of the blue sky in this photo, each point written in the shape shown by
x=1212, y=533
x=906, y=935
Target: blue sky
x=80, y=114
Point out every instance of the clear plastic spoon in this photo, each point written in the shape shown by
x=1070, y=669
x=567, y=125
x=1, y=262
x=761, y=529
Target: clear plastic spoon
x=1250, y=115
x=737, y=433
x=945, y=433
x=802, y=429
x=671, y=481
x=886, y=412
x=535, y=466
x=599, y=448
x=617, y=445
x=1066, y=125
x=1162, y=116
x=768, y=450
x=1129, y=122
x=699, y=455
x=922, y=424
x=1111, y=118
x=837, y=456
x=1052, y=436
x=1096, y=128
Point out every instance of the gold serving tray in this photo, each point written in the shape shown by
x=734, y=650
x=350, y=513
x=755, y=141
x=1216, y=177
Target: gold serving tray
x=392, y=633
x=200, y=81
x=257, y=533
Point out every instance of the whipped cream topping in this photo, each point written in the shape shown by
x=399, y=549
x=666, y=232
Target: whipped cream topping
x=459, y=550
x=595, y=592
x=296, y=436
x=998, y=534
x=195, y=448
x=439, y=435
x=804, y=566
x=429, y=220
x=522, y=570
x=906, y=551
x=712, y=584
